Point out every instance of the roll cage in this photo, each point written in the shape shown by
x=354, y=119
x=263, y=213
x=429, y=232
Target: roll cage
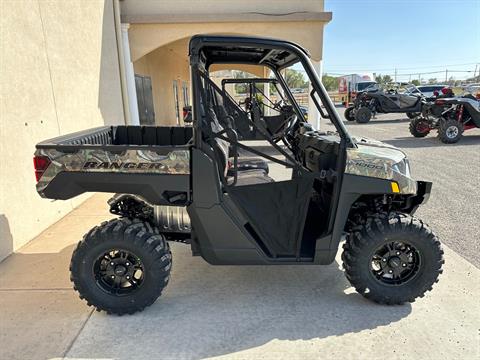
x=253, y=89
x=205, y=50
x=276, y=55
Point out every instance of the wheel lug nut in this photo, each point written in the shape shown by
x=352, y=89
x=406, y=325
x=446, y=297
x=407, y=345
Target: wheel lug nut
x=384, y=260
x=390, y=271
x=128, y=277
x=398, y=252
x=128, y=264
x=112, y=263
x=113, y=276
x=404, y=265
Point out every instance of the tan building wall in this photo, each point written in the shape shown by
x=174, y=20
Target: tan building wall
x=59, y=74
x=170, y=63
x=145, y=38
x=164, y=65
x=159, y=32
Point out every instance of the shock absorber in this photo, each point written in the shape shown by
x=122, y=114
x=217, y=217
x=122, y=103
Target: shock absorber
x=460, y=114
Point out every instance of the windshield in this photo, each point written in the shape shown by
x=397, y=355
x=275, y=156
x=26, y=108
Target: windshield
x=364, y=85
x=307, y=91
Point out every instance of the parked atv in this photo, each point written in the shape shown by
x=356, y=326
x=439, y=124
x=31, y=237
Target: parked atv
x=368, y=103
x=175, y=184
x=449, y=116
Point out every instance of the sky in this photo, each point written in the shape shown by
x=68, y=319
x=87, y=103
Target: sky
x=410, y=35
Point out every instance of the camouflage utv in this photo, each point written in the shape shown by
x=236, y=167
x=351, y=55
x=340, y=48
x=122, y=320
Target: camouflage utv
x=196, y=186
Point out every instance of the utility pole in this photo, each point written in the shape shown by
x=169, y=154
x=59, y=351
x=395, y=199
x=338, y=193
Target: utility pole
x=395, y=74
x=446, y=76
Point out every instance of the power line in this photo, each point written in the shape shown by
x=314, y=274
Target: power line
x=349, y=68
x=407, y=74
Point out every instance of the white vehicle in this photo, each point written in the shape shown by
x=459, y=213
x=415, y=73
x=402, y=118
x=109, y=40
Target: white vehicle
x=425, y=90
x=473, y=89
x=350, y=85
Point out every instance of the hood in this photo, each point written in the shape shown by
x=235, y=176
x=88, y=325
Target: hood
x=374, y=148
x=376, y=159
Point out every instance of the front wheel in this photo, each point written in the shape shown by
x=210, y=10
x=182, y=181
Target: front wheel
x=419, y=127
x=450, y=131
x=392, y=258
x=363, y=115
x=349, y=115
x=121, y=266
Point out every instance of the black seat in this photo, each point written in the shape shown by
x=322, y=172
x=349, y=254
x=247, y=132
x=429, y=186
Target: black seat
x=253, y=171
x=248, y=163
x=250, y=177
x=224, y=120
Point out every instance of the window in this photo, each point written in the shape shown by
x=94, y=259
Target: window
x=363, y=85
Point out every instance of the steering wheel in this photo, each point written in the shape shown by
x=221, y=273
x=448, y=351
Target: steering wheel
x=285, y=128
x=278, y=105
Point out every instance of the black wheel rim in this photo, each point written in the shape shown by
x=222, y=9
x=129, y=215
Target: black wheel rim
x=395, y=263
x=119, y=272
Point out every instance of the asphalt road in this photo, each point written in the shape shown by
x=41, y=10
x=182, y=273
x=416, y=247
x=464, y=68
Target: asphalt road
x=453, y=210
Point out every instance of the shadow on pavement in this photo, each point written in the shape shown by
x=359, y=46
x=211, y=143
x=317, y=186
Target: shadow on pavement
x=431, y=141
x=379, y=121
x=217, y=310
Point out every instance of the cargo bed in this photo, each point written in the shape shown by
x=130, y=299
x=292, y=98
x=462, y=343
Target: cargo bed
x=149, y=161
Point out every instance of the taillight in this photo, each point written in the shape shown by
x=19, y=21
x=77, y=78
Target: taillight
x=439, y=102
x=40, y=164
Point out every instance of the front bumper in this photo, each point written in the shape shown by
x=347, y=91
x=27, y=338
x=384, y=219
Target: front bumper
x=424, y=189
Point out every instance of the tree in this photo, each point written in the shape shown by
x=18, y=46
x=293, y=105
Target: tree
x=415, y=82
x=432, y=81
x=387, y=79
x=383, y=80
x=295, y=79
x=330, y=82
x=240, y=88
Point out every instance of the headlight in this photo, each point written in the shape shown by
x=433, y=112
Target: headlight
x=402, y=167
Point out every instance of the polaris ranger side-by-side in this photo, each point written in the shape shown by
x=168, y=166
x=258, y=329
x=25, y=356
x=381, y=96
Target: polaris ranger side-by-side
x=193, y=185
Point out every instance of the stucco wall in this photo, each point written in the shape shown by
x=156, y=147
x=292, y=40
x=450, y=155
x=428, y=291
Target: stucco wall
x=144, y=38
x=59, y=74
x=140, y=7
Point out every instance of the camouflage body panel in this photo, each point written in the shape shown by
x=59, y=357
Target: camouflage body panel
x=378, y=160
x=127, y=161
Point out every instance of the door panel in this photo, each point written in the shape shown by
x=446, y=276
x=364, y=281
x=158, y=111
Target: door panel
x=276, y=212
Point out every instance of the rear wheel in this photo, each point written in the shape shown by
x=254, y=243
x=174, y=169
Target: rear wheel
x=363, y=115
x=392, y=259
x=419, y=127
x=349, y=116
x=121, y=266
x=450, y=131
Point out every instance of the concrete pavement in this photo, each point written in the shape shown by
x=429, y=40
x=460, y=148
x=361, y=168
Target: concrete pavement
x=299, y=312
x=250, y=312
